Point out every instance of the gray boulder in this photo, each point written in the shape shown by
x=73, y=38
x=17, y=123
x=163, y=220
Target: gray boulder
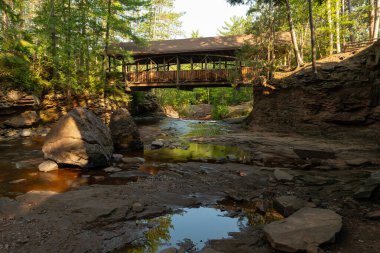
x=81, y=139
x=305, y=229
x=125, y=134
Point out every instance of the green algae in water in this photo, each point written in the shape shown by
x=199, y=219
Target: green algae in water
x=205, y=129
x=195, y=152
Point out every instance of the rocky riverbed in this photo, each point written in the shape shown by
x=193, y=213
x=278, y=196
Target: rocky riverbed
x=203, y=168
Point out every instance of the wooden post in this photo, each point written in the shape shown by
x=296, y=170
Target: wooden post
x=220, y=69
x=123, y=69
x=191, y=68
x=206, y=68
x=137, y=72
x=178, y=69
x=151, y=71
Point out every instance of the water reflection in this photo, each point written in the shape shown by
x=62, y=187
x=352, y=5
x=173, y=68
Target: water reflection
x=193, y=227
x=197, y=225
x=196, y=152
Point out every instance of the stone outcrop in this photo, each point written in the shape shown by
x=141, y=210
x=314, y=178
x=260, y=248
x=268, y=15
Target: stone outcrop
x=25, y=119
x=145, y=104
x=125, y=134
x=343, y=100
x=306, y=229
x=17, y=109
x=81, y=139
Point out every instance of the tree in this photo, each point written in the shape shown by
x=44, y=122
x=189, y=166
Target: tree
x=297, y=54
x=377, y=20
x=337, y=25
x=293, y=35
x=371, y=18
x=312, y=38
x=237, y=25
x=195, y=34
x=161, y=21
x=330, y=24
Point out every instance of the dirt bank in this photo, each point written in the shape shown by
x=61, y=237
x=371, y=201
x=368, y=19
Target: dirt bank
x=343, y=100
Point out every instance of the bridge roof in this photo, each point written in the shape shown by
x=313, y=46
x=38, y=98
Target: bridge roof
x=194, y=45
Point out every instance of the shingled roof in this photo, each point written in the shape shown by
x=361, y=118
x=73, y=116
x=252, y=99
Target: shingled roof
x=194, y=45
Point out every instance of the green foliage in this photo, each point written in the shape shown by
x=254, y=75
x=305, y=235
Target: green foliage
x=219, y=111
x=236, y=26
x=14, y=70
x=220, y=98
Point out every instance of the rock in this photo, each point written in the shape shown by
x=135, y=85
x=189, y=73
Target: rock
x=133, y=160
x=117, y=157
x=157, y=144
x=287, y=205
x=232, y=158
x=26, y=133
x=137, y=207
x=305, y=229
x=11, y=133
x=130, y=174
x=17, y=181
x=209, y=250
x=81, y=139
x=374, y=215
x=169, y=250
x=125, y=134
x=369, y=187
x=282, y=175
x=25, y=119
x=48, y=166
x=145, y=105
x=112, y=169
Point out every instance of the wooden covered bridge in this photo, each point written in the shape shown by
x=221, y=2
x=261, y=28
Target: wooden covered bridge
x=183, y=63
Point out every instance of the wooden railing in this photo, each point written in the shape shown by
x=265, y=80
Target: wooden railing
x=357, y=45
x=244, y=75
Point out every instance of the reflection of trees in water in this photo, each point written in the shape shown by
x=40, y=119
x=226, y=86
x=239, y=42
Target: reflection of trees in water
x=154, y=236
x=196, y=151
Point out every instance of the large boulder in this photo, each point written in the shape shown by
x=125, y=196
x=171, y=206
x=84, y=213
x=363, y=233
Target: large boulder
x=305, y=229
x=125, y=134
x=81, y=139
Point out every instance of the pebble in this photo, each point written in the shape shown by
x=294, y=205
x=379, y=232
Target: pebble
x=18, y=181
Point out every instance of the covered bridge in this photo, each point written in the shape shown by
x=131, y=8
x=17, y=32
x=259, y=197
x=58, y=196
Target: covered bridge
x=184, y=63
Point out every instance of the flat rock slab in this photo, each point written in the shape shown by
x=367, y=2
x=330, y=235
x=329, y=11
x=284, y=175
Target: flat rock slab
x=374, y=215
x=283, y=176
x=306, y=228
x=287, y=205
x=310, y=154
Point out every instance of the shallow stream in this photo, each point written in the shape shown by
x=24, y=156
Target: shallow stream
x=19, y=174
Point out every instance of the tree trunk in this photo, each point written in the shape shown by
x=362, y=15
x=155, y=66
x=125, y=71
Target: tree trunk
x=337, y=24
x=53, y=34
x=107, y=40
x=351, y=28
x=371, y=18
x=313, y=51
x=293, y=34
x=377, y=20
x=329, y=21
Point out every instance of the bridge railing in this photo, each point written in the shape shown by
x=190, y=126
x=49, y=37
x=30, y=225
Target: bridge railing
x=244, y=74
x=357, y=45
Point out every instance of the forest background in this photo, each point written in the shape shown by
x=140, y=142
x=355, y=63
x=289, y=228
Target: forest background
x=58, y=45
